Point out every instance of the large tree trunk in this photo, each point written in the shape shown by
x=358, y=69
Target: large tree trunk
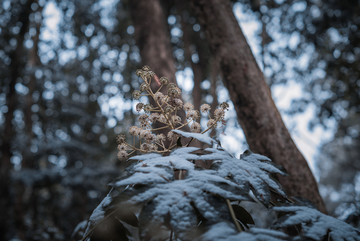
x=264, y=129
x=153, y=39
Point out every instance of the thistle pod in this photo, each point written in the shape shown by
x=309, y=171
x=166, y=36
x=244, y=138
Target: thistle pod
x=151, y=73
x=205, y=108
x=139, y=106
x=120, y=139
x=146, y=68
x=136, y=94
x=148, y=108
x=164, y=80
x=168, y=109
x=144, y=86
x=139, y=72
x=122, y=155
x=224, y=106
x=172, y=85
x=173, y=92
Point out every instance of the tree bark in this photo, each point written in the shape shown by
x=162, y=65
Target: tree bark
x=153, y=39
x=263, y=126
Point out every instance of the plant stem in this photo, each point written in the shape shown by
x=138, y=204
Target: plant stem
x=232, y=213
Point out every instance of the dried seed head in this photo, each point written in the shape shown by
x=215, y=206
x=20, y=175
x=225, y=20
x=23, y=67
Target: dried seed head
x=143, y=117
x=144, y=147
x=205, y=108
x=160, y=138
x=144, y=86
x=173, y=92
x=154, y=117
x=169, y=109
x=144, y=124
x=134, y=131
x=195, y=127
x=211, y=123
x=122, y=147
x=172, y=85
x=122, y=155
x=144, y=133
x=165, y=99
x=219, y=114
x=172, y=135
x=139, y=72
x=162, y=118
x=149, y=138
x=120, y=139
x=136, y=94
x=146, y=68
x=176, y=119
x=153, y=147
x=192, y=114
x=188, y=106
x=148, y=108
x=178, y=103
x=139, y=106
x=164, y=80
x=158, y=96
x=224, y=106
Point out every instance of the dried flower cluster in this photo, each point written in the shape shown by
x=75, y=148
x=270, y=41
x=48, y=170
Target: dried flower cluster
x=165, y=112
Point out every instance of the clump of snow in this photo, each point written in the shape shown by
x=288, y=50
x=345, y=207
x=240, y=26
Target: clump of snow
x=205, y=138
x=99, y=211
x=317, y=225
x=226, y=232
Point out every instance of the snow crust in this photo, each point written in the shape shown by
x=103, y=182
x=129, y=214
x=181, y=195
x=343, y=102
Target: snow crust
x=316, y=224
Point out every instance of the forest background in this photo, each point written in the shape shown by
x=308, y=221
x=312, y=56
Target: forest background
x=67, y=73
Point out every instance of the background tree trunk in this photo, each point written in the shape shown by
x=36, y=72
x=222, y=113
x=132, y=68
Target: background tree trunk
x=153, y=38
x=16, y=66
x=263, y=127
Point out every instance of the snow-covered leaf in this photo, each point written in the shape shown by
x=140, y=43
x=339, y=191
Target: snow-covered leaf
x=226, y=232
x=317, y=225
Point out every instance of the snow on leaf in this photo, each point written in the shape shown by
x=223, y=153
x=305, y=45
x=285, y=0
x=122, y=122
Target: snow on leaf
x=198, y=136
x=99, y=211
x=176, y=198
x=225, y=232
x=317, y=225
x=250, y=172
x=190, y=185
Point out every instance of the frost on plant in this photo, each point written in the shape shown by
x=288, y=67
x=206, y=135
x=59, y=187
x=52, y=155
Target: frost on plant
x=175, y=191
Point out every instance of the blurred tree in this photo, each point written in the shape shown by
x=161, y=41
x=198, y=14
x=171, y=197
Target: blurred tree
x=264, y=129
x=322, y=46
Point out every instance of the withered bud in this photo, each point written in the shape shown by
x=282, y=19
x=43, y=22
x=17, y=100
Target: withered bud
x=139, y=106
x=120, y=139
x=205, y=108
x=164, y=80
x=146, y=68
x=136, y=94
x=122, y=155
x=144, y=86
x=148, y=108
x=195, y=127
x=224, y=106
x=139, y=72
x=188, y=106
